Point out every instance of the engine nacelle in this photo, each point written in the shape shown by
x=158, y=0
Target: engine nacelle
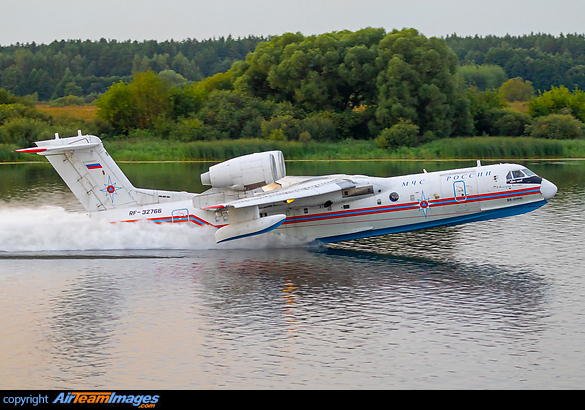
x=246, y=172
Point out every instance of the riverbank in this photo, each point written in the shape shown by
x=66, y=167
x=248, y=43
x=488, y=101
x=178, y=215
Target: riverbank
x=452, y=148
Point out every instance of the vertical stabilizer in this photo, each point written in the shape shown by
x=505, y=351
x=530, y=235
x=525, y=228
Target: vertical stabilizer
x=89, y=171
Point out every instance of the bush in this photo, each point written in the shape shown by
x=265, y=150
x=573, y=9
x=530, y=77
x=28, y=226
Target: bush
x=556, y=126
x=503, y=122
x=10, y=111
x=24, y=131
x=68, y=101
x=403, y=134
x=381, y=141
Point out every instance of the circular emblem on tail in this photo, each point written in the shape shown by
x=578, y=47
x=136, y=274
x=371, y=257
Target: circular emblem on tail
x=110, y=189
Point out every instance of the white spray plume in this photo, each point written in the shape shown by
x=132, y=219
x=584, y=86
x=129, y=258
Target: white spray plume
x=52, y=228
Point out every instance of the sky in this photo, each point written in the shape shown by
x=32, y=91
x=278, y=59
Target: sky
x=44, y=21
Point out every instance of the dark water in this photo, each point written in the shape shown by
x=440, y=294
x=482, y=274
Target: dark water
x=489, y=305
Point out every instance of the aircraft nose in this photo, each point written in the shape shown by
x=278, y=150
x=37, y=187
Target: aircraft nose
x=547, y=189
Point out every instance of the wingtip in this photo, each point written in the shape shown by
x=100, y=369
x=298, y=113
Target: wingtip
x=32, y=150
x=214, y=207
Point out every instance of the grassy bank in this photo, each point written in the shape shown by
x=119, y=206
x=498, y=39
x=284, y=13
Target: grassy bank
x=75, y=112
x=452, y=148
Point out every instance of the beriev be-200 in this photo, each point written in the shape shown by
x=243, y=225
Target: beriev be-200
x=252, y=195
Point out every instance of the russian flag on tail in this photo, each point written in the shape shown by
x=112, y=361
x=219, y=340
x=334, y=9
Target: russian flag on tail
x=93, y=166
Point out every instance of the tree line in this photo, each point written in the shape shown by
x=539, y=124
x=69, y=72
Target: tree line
x=398, y=88
x=543, y=59
x=87, y=69
x=331, y=86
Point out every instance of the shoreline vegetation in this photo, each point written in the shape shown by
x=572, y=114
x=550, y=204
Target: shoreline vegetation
x=464, y=148
x=364, y=95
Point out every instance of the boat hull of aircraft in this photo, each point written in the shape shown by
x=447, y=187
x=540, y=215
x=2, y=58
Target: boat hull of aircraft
x=251, y=195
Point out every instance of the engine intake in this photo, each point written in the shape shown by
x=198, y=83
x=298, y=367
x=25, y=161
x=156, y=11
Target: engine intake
x=246, y=172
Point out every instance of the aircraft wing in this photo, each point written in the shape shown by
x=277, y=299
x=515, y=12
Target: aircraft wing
x=313, y=187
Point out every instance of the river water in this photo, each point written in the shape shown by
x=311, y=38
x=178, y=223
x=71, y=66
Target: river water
x=489, y=305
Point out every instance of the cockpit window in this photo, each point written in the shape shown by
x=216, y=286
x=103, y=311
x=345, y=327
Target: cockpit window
x=523, y=176
x=514, y=175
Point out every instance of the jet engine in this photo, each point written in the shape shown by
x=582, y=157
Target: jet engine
x=246, y=172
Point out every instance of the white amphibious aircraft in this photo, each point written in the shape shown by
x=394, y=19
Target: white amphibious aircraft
x=251, y=195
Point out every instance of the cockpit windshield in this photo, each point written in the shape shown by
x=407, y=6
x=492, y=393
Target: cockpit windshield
x=523, y=176
x=516, y=174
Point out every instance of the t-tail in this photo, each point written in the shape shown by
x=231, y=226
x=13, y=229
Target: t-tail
x=91, y=174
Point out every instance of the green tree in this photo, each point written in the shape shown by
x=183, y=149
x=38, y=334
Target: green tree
x=235, y=115
x=515, y=89
x=418, y=82
x=484, y=107
x=6, y=97
x=368, y=80
x=332, y=71
x=557, y=126
x=150, y=93
x=505, y=122
x=402, y=134
x=559, y=100
x=135, y=105
x=173, y=78
x=190, y=99
x=117, y=108
x=484, y=77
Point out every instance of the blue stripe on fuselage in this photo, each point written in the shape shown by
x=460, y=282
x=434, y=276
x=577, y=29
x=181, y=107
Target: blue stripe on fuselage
x=481, y=216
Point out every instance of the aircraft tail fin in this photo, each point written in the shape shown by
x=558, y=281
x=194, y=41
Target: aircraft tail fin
x=89, y=171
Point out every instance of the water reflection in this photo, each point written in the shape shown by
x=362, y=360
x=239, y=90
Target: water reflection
x=350, y=301
x=276, y=316
x=83, y=320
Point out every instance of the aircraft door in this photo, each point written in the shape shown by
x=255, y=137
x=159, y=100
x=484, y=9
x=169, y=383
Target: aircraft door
x=462, y=187
x=460, y=191
x=180, y=215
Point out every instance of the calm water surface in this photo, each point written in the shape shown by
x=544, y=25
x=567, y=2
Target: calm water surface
x=489, y=305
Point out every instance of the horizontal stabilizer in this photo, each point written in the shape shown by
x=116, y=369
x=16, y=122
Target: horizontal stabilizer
x=248, y=228
x=51, y=150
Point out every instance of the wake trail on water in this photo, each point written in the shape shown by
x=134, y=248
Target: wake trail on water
x=51, y=228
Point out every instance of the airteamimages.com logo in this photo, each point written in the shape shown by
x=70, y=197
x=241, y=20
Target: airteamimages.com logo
x=80, y=398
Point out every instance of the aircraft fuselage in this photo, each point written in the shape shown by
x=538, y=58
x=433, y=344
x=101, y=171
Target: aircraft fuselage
x=251, y=195
x=376, y=206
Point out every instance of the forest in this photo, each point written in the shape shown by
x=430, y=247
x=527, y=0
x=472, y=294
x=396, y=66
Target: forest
x=392, y=89
x=88, y=68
